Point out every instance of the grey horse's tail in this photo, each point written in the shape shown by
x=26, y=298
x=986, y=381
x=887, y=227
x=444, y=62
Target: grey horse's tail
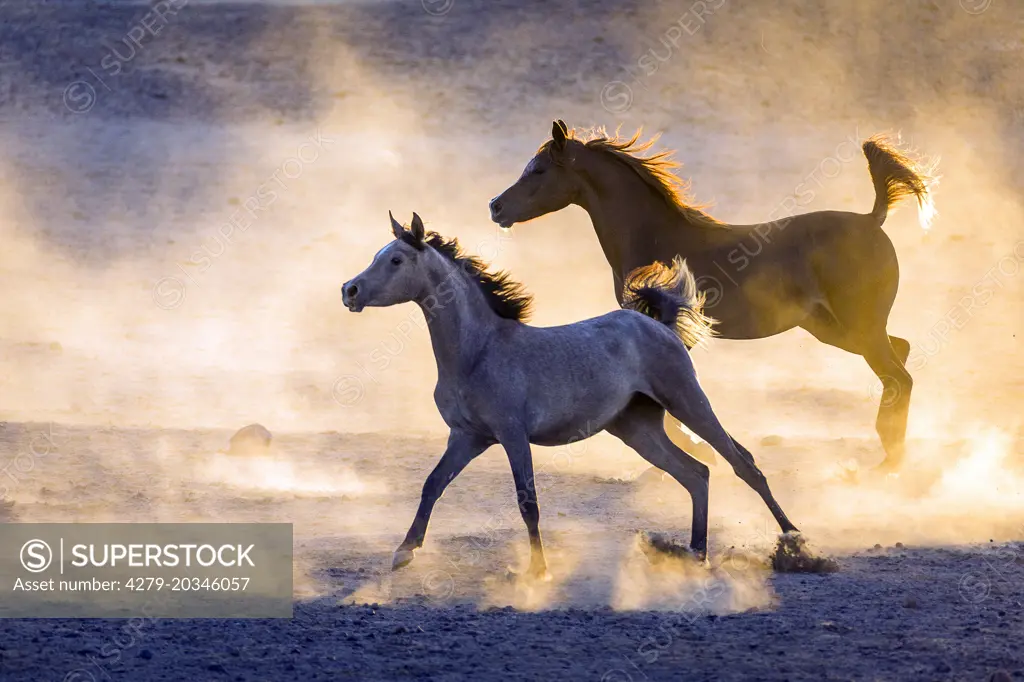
x=669, y=294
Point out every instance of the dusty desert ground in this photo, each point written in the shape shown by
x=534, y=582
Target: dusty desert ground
x=139, y=328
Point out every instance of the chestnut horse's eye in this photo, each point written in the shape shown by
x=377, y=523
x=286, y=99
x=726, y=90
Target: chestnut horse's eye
x=396, y=261
x=537, y=171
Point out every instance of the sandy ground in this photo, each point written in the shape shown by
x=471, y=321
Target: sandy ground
x=138, y=330
x=894, y=611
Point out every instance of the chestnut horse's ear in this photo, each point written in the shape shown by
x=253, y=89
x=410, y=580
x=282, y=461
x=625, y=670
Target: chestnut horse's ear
x=564, y=127
x=396, y=228
x=558, y=134
x=417, y=227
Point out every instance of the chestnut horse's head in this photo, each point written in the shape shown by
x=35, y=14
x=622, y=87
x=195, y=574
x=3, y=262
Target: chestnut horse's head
x=548, y=184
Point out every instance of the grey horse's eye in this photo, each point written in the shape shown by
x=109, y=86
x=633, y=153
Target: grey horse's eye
x=396, y=261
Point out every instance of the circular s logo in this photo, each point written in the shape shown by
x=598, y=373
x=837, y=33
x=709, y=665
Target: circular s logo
x=36, y=556
x=79, y=97
x=616, y=97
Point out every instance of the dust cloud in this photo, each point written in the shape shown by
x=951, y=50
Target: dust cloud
x=181, y=274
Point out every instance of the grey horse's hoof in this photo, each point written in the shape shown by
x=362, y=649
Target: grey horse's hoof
x=403, y=557
x=658, y=547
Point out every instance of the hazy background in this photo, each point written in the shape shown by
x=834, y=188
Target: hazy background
x=129, y=142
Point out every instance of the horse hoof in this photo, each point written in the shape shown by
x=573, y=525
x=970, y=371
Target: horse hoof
x=403, y=557
x=887, y=467
x=531, y=576
x=658, y=547
x=540, y=576
x=885, y=473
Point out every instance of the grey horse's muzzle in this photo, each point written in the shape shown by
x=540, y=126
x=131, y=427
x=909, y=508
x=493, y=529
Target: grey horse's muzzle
x=349, y=294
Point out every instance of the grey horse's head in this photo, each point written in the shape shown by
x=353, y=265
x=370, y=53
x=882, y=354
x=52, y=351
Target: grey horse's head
x=397, y=273
x=548, y=184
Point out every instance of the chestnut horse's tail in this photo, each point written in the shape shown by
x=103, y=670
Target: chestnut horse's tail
x=669, y=294
x=895, y=176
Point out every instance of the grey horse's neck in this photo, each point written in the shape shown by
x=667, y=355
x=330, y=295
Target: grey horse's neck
x=458, y=316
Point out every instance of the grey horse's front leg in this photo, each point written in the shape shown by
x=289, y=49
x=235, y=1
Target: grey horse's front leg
x=462, y=449
x=520, y=457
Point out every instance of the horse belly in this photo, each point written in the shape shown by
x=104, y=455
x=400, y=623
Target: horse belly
x=578, y=415
x=763, y=301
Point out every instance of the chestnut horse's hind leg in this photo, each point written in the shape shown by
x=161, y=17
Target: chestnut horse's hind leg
x=641, y=427
x=894, y=406
x=887, y=356
x=902, y=348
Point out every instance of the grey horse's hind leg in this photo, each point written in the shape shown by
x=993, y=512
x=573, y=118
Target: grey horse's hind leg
x=685, y=441
x=688, y=404
x=520, y=457
x=462, y=449
x=641, y=426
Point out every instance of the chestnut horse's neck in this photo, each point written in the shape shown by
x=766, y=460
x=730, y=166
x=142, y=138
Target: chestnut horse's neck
x=633, y=221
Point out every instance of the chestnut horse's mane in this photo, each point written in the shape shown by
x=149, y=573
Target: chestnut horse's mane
x=657, y=170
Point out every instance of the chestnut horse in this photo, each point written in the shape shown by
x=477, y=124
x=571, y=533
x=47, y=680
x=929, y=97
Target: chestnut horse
x=833, y=273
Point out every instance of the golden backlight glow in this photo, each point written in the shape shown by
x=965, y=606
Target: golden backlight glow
x=146, y=337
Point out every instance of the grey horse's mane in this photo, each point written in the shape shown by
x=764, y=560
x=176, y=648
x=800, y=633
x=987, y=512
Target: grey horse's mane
x=507, y=297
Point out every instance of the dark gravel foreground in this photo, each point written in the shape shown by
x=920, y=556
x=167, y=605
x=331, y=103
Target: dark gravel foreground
x=897, y=614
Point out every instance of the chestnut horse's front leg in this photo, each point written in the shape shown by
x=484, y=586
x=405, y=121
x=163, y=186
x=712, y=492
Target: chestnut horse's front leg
x=462, y=448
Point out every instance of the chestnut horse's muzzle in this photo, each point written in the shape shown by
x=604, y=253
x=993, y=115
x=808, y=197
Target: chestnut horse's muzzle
x=497, y=209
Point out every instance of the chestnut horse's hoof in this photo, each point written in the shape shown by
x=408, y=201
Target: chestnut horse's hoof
x=885, y=472
x=402, y=558
x=531, y=576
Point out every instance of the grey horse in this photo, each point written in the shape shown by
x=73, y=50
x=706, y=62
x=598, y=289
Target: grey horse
x=500, y=380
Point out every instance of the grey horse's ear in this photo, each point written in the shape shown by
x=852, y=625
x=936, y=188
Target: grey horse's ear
x=396, y=227
x=418, y=231
x=558, y=134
